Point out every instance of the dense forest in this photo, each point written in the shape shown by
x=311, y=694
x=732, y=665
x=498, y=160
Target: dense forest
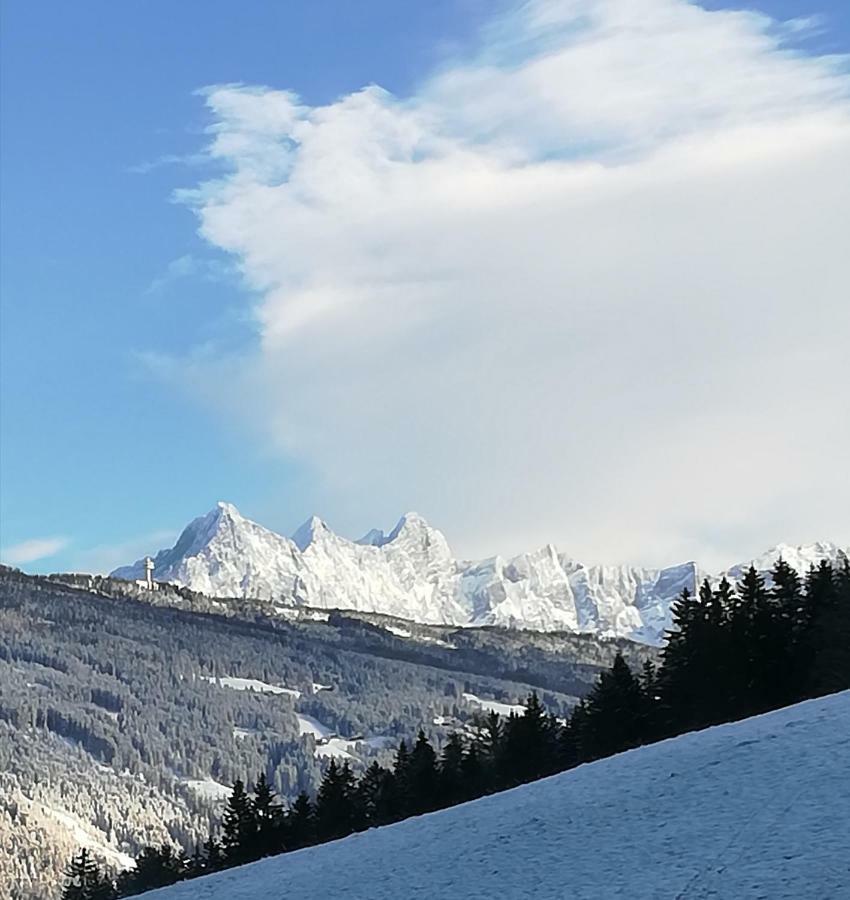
x=732, y=653
x=120, y=722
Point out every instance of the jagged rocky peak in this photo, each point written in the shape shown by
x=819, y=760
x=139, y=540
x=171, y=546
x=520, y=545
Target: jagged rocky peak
x=412, y=526
x=222, y=515
x=225, y=510
x=224, y=518
x=313, y=530
x=799, y=556
x=374, y=537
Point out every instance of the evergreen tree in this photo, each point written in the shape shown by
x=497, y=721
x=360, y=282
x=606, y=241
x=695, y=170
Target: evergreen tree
x=648, y=727
x=827, y=642
x=371, y=797
x=777, y=629
x=335, y=803
x=749, y=612
x=213, y=855
x=349, y=789
x=489, y=742
x=530, y=746
x=208, y=858
x=451, y=774
x=613, y=712
x=106, y=890
x=401, y=798
x=422, y=776
x=493, y=733
x=85, y=880
x=239, y=826
x=573, y=742
x=268, y=817
x=787, y=595
x=155, y=867
x=474, y=781
x=300, y=824
x=725, y=675
x=707, y=649
x=676, y=680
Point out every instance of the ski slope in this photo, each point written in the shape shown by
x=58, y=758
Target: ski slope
x=758, y=809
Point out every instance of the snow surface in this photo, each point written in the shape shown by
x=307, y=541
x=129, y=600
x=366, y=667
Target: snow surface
x=251, y=684
x=757, y=809
x=410, y=573
x=503, y=709
x=339, y=748
x=329, y=743
x=208, y=788
x=309, y=725
x=398, y=632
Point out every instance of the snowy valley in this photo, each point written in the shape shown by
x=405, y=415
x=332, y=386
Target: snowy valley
x=123, y=723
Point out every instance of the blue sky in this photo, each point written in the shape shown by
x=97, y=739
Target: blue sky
x=113, y=432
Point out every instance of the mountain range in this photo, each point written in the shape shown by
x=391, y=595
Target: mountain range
x=410, y=573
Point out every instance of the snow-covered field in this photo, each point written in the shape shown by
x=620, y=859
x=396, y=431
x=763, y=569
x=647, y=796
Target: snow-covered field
x=212, y=790
x=503, y=709
x=309, y=725
x=331, y=744
x=251, y=684
x=758, y=809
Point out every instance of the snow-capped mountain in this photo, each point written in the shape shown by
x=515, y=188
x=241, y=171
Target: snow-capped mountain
x=411, y=573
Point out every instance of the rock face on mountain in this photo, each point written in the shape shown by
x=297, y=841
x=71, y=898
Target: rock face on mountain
x=411, y=573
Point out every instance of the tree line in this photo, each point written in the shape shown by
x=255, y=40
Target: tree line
x=731, y=653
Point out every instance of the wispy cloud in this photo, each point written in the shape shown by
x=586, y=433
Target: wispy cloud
x=189, y=266
x=33, y=550
x=103, y=558
x=168, y=159
x=584, y=284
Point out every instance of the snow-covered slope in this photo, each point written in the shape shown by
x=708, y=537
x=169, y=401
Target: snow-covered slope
x=411, y=573
x=757, y=809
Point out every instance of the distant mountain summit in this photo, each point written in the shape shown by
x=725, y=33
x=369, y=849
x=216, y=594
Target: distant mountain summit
x=411, y=573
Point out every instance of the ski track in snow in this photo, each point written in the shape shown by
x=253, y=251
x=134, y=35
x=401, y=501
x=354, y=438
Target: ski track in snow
x=756, y=809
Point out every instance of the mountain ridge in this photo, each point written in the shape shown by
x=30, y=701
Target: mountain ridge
x=410, y=573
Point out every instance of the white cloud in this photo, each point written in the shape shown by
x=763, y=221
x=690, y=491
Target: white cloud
x=33, y=550
x=588, y=285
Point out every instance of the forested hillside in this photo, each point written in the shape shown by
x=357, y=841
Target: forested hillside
x=748, y=811
x=122, y=723
x=734, y=652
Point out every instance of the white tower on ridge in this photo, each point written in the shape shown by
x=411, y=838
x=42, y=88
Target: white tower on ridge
x=148, y=573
